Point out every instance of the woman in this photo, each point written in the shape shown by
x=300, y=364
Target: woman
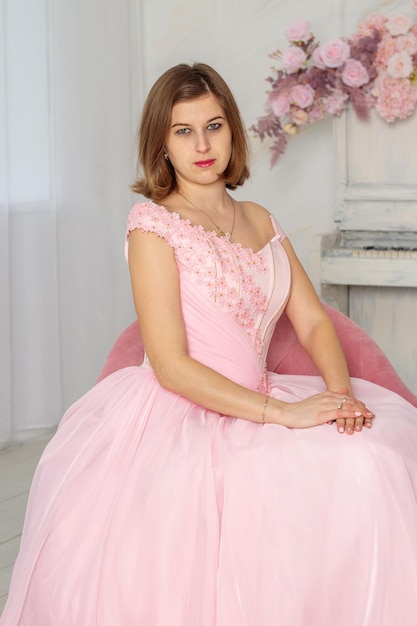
x=200, y=489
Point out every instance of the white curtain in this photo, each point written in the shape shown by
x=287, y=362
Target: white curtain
x=69, y=102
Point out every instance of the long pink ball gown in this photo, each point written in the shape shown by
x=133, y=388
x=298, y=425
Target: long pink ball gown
x=149, y=510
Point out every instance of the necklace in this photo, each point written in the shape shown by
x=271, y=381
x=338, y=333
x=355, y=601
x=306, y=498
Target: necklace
x=220, y=231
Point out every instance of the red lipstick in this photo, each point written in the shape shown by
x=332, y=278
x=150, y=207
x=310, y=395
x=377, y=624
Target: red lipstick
x=206, y=163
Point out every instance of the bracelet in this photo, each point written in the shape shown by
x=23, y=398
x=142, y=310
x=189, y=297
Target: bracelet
x=264, y=409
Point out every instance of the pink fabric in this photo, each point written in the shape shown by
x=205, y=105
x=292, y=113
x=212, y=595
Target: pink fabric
x=286, y=355
x=148, y=510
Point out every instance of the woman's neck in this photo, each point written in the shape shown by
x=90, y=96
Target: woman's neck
x=210, y=198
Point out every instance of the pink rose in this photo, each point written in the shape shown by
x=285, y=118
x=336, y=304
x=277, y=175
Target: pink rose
x=399, y=24
x=335, y=52
x=293, y=59
x=317, y=58
x=298, y=31
x=400, y=65
x=355, y=74
x=316, y=114
x=302, y=96
x=279, y=103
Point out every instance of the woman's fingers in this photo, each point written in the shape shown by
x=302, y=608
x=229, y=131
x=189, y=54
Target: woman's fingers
x=359, y=423
x=348, y=423
x=350, y=415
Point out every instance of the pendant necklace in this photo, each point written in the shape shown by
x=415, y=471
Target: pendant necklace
x=220, y=231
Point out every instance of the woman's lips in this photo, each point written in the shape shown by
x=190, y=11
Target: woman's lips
x=206, y=163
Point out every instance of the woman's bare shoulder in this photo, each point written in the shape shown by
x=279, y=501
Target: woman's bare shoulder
x=256, y=214
x=249, y=205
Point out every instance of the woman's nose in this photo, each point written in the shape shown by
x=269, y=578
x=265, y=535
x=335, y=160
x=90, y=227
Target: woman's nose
x=203, y=143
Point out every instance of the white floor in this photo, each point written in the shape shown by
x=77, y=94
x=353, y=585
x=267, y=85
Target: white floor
x=17, y=466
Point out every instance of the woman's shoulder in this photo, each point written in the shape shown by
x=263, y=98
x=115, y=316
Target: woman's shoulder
x=261, y=217
x=149, y=217
x=254, y=211
x=253, y=206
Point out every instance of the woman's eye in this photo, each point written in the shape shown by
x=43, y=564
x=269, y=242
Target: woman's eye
x=182, y=131
x=214, y=126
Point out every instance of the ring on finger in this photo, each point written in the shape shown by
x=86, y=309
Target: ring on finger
x=341, y=403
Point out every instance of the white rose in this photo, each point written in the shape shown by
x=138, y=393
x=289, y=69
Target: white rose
x=399, y=24
x=400, y=65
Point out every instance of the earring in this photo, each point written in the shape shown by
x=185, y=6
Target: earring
x=166, y=156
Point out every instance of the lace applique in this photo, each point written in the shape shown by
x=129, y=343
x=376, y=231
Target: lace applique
x=263, y=383
x=228, y=274
x=151, y=218
x=226, y=270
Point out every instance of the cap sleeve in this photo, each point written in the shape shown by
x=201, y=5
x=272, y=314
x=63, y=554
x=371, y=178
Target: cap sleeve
x=151, y=218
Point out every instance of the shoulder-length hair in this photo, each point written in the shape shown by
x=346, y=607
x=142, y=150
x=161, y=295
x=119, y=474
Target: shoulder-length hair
x=184, y=82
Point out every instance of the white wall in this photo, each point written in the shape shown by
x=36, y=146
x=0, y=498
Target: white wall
x=93, y=155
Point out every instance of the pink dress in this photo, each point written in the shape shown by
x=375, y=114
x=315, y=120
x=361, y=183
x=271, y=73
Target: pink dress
x=149, y=510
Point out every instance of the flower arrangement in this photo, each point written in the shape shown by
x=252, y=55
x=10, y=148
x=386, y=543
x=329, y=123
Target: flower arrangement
x=375, y=68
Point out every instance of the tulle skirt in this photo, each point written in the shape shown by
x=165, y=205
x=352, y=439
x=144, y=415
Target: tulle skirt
x=148, y=510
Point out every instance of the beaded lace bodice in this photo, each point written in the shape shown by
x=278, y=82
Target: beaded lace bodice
x=240, y=281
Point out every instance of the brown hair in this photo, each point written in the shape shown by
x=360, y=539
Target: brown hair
x=184, y=82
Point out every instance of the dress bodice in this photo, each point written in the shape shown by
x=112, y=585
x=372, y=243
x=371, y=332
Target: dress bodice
x=229, y=280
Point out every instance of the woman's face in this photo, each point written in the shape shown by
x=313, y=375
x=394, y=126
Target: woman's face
x=199, y=140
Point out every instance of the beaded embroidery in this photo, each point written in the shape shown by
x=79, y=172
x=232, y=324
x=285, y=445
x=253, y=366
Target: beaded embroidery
x=226, y=270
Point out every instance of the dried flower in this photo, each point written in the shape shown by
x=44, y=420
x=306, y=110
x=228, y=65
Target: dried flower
x=374, y=22
x=375, y=68
x=336, y=102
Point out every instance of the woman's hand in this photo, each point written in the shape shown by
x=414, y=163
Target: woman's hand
x=350, y=414
x=349, y=425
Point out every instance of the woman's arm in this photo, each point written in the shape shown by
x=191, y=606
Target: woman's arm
x=317, y=334
x=156, y=293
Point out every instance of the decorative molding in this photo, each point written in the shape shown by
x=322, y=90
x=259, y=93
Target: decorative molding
x=368, y=204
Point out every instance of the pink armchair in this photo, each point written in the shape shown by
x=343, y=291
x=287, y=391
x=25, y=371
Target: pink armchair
x=286, y=356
